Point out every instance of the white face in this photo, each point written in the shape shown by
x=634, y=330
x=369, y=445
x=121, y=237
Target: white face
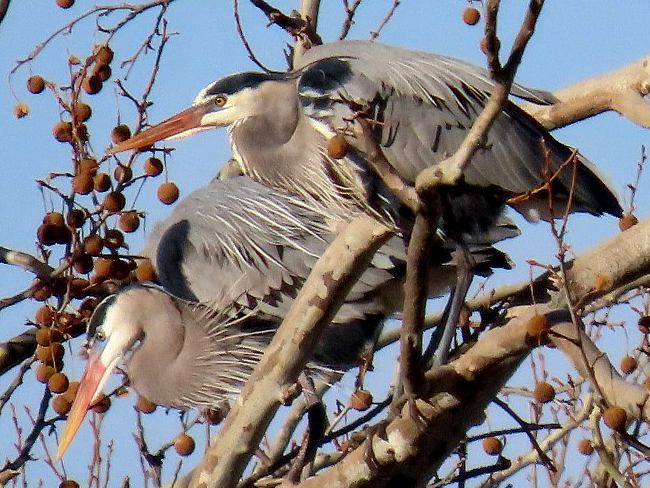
x=224, y=110
x=116, y=336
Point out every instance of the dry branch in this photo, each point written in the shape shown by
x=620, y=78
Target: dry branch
x=622, y=90
x=291, y=347
x=464, y=388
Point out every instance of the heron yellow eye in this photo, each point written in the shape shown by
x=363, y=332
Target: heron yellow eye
x=100, y=335
x=220, y=100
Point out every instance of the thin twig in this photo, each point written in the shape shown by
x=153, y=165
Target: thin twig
x=375, y=34
x=350, y=11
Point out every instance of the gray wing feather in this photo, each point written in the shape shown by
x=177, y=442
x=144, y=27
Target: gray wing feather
x=425, y=104
x=238, y=241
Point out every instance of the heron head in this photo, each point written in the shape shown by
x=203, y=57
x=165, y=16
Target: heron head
x=220, y=104
x=113, y=332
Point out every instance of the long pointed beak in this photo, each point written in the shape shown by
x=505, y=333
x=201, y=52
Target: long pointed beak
x=91, y=384
x=182, y=124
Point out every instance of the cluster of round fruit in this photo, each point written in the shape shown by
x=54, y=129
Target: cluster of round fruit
x=50, y=352
x=86, y=254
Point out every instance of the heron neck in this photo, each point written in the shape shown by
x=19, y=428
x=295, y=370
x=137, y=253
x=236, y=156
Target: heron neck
x=153, y=368
x=299, y=165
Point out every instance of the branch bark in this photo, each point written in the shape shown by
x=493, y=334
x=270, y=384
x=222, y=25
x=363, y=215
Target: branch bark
x=409, y=450
x=622, y=90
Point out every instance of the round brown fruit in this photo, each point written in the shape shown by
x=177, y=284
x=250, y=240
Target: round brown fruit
x=213, y=416
x=93, y=245
x=83, y=263
x=44, y=316
x=153, y=167
x=145, y=271
x=42, y=293
x=471, y=16
x=102, y=404
x=544, y=392
x=484, y=46
x=65, y=3
x=63, y=234
x=103, y=268
x=585, y=447
x=492, y=446
x=61, y=405
x=88, y=166
x=44, y=354
x=46, y=336
x=81, y=112
x=57, y=351
x=21, y=110
x=123, y=174
x=69, y=484
x=361, y=400
x=615, y=418
x=120, y=133
x=76, y=218
x=168, y=193
x=62, y=131
x=71, y=393
x=644, y=324
x=58, y=383
x=64, y=320
x=537, y=328
x=35, y=84
x=145, y=406
x=91, y=85
x=55, y=218
x=629, y=364
x=83, y=184
x=184, y=445
x=44, y=372
x=121, y=269
x=102, y=71
x=113, y=239
x=129, y=221
x=88, y=305
x=102, y=182
x=74, y=60
x=47, y=234
x=337, y=147
x=114, y=201
x=103, y=55
x=627, y=221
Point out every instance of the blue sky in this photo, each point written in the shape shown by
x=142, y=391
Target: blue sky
x=574, y=40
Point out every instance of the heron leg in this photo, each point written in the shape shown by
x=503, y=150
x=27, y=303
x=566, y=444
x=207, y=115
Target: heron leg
x=437, y=351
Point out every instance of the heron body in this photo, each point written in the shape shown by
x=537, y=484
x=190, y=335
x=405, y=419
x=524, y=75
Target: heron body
x=421, y=105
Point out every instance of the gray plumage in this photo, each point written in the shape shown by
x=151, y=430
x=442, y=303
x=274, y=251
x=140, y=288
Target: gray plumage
x=231, y=258
x=424, y=104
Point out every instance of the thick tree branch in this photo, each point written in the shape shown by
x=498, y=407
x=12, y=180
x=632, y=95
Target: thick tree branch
x=289, y=351
x=461, y=391
x=622, y=90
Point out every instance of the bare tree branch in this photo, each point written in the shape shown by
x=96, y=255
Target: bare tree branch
x=289, y=351
x=622, y=90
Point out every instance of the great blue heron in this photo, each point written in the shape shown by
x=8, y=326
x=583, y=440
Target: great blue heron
x=231, y=259
x=421, y=106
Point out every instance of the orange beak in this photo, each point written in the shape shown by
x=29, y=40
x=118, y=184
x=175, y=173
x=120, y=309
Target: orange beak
x=180, y=125
x=91, y=383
